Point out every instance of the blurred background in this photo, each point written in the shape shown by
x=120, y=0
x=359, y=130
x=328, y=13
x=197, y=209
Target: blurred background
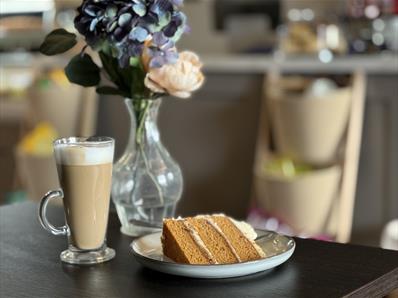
x=296, y=128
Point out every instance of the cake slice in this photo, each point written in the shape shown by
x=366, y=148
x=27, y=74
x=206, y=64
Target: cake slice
x=209, y=239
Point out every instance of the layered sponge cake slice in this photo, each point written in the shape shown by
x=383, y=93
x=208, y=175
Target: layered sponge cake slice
x=209, y=239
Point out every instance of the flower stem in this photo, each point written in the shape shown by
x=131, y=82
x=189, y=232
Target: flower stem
x=142, y=108
x=141, y=114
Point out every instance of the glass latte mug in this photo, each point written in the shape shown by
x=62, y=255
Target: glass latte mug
x=84, y=168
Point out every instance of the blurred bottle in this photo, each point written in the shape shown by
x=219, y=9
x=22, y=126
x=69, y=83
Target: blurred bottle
x=308, y=33
x=372, y=25
x=298, y=36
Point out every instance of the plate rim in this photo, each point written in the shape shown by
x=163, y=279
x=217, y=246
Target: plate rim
x=192, y=266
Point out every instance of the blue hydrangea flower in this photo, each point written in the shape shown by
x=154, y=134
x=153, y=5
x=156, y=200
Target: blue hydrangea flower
x=125, y=25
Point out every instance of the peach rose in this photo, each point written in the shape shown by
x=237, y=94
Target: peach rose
x=179, y=79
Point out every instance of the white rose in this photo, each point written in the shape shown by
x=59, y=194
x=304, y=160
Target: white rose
x=179, y=79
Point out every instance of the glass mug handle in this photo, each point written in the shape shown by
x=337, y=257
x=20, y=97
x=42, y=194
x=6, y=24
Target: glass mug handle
x=52, y=194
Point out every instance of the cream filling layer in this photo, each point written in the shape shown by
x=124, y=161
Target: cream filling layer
x=248, y=231
x=196, y=238
x=243, y=227
x=250, y=234
x=219, y=231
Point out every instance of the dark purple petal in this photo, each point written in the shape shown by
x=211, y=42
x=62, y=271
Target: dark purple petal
x=125, y=9
x=167, y=46
x=159, y=39
x=152, y=51
x=187, y=29
x=157, y=62
x=150, y=18
x=170, y=30
x=177, y=2
x=171, y=57
x=120, y=33
x=162, y=6
x=135, y=49
x=176, y=21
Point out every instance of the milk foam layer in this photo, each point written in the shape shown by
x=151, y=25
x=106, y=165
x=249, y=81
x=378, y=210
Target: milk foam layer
x=77, y=155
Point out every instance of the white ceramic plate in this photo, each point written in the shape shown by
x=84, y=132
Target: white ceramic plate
x=278, y=248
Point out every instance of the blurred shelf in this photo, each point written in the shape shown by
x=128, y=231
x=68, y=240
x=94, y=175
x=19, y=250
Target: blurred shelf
x=246, y=63
x=377, y=64
x=29, y=59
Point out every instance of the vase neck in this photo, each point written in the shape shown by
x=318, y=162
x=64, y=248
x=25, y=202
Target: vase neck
x=143, y=117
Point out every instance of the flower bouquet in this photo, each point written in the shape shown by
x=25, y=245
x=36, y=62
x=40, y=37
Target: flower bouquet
x=136, y=44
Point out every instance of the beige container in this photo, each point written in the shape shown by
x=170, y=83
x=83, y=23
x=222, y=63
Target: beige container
x=303, y=202
x=310, y=130
x=60, y=106
x=38, y=174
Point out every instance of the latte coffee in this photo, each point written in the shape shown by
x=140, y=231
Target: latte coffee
x=85, y=175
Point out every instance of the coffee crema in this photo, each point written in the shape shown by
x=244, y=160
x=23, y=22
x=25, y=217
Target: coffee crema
x=85, y=175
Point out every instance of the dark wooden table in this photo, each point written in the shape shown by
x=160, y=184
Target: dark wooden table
x=30, y=267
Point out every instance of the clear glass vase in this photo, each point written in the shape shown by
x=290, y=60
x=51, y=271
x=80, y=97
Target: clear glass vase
x=147, y=182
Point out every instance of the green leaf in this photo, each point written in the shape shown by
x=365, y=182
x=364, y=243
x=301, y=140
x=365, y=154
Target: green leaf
x=109, y=67
x=134, y=61
x=129, y=80
x=108, y=90
x=116, y=74
x=57, y=42
x=83, y=71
